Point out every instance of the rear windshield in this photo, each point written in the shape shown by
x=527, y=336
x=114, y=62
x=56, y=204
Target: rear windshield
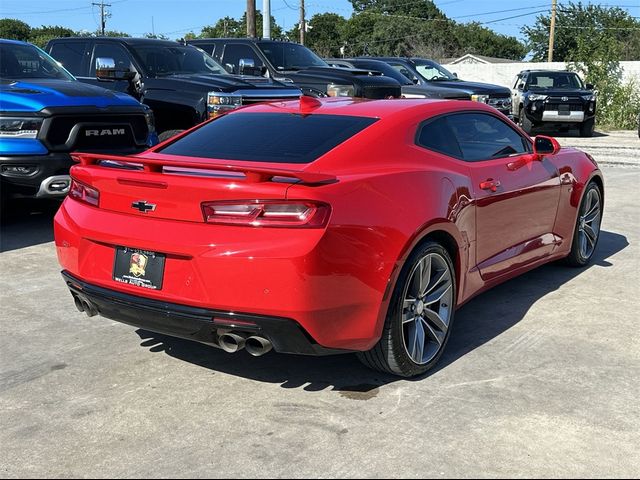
x=269, y=137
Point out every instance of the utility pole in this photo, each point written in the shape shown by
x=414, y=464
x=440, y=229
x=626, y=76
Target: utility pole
x=552, y=32
x=251, y=19
x=266, y=19
x=103, y=16
x=302, y=22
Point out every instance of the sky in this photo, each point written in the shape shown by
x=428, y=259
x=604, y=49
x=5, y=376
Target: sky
x=175, y=18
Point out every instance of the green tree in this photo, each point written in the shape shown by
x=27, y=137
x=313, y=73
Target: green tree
x=228, y=27
x=40, y=36
x=474, y=38
x=421, y=9
x=326, y=34
x=14, y=29
x=576, y=24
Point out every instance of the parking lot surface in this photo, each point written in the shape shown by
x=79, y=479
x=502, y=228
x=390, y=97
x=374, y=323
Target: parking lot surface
x=540, y=378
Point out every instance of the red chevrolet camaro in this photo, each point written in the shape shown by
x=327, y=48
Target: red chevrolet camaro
x=319, y=227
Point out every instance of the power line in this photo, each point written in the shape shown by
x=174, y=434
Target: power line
x=60, y=10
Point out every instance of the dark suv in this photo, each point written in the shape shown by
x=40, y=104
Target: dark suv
x=295, y=64
x=553, y=97
x=182, y=84
x=433, y=76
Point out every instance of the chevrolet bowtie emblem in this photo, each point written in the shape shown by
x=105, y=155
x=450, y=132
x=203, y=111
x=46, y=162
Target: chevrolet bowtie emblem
x=143, y=206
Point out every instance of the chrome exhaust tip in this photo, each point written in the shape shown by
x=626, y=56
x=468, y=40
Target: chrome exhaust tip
x=258, y=346
x=231, y=342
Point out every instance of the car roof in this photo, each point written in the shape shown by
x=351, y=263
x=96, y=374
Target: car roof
x=366, y=108
x=547, y=70
x=13, y=42
x=241, y=40
x=128, y=40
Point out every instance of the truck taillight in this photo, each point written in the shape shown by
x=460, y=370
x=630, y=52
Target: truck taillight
x=268, y=213
x=84, y=193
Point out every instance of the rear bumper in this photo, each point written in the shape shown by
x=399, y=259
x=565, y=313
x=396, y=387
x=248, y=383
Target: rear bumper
x=193, y=323
x=331, y=283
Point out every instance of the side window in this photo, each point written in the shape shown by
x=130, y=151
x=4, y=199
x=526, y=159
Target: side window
x=403, y=70
x=438, y=136
x=207, y=47
x=485, y=137
x=70, y=55
x=516, y=81
x=110, y=50
x=234, y=52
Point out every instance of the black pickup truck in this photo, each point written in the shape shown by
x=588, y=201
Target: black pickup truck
x=182, y=84
x=553, y=98
x=433, y=76
x=295, y=64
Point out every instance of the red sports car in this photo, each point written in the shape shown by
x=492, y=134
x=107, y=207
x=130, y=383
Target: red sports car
x=318, y=227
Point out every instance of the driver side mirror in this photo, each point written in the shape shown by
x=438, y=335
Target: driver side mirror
x=415, y=80
x=455, y=75
x=521, y=86
x=543, y=145
x=590, y=86
x=106, y=70
x=247, y=66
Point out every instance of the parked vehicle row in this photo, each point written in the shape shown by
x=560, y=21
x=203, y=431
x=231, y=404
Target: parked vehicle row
x=179, y=86
x=46, y=114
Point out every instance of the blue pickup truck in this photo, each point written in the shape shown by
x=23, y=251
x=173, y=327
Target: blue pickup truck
x=45, y=114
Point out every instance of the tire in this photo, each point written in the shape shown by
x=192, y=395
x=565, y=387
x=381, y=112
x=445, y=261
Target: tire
x=391, y=354
x=581, y=252
x=525, y=123
x=587, y=127
x=167, y=134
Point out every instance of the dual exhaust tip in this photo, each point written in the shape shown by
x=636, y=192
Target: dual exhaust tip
x=229, y=342
x=234, y=342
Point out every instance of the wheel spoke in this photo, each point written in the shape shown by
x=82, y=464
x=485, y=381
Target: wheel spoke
x=436, y=283
x=418, y=352
x=436, y=295
x=592, y=214
x=582, y=236
x=415, y=285
x=436, y=319
x=433, y=335
x=590, y=234
x=425, y=275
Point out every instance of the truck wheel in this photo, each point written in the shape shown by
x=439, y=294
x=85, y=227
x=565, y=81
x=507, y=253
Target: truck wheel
x=167, y=134
x=587, y=127
x=525, y=123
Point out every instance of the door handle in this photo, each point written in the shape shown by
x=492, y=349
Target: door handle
x=490, y=184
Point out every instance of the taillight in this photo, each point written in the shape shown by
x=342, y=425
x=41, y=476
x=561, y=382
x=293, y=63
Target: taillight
x=268, y=213
x=84, y=193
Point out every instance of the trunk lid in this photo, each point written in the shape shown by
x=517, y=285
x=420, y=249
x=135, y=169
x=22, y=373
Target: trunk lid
x=172, y=188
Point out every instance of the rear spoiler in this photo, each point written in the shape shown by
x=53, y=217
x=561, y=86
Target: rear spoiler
x=253, y=174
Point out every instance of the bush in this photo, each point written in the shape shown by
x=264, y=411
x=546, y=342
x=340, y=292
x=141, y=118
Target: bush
x=618, y=103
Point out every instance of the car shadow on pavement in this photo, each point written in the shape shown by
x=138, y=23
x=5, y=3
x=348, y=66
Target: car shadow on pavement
x=481, y=320
x=26, y=223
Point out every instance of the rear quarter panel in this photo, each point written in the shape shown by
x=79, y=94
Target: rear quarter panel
x=389, y=196
x=576, y=170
